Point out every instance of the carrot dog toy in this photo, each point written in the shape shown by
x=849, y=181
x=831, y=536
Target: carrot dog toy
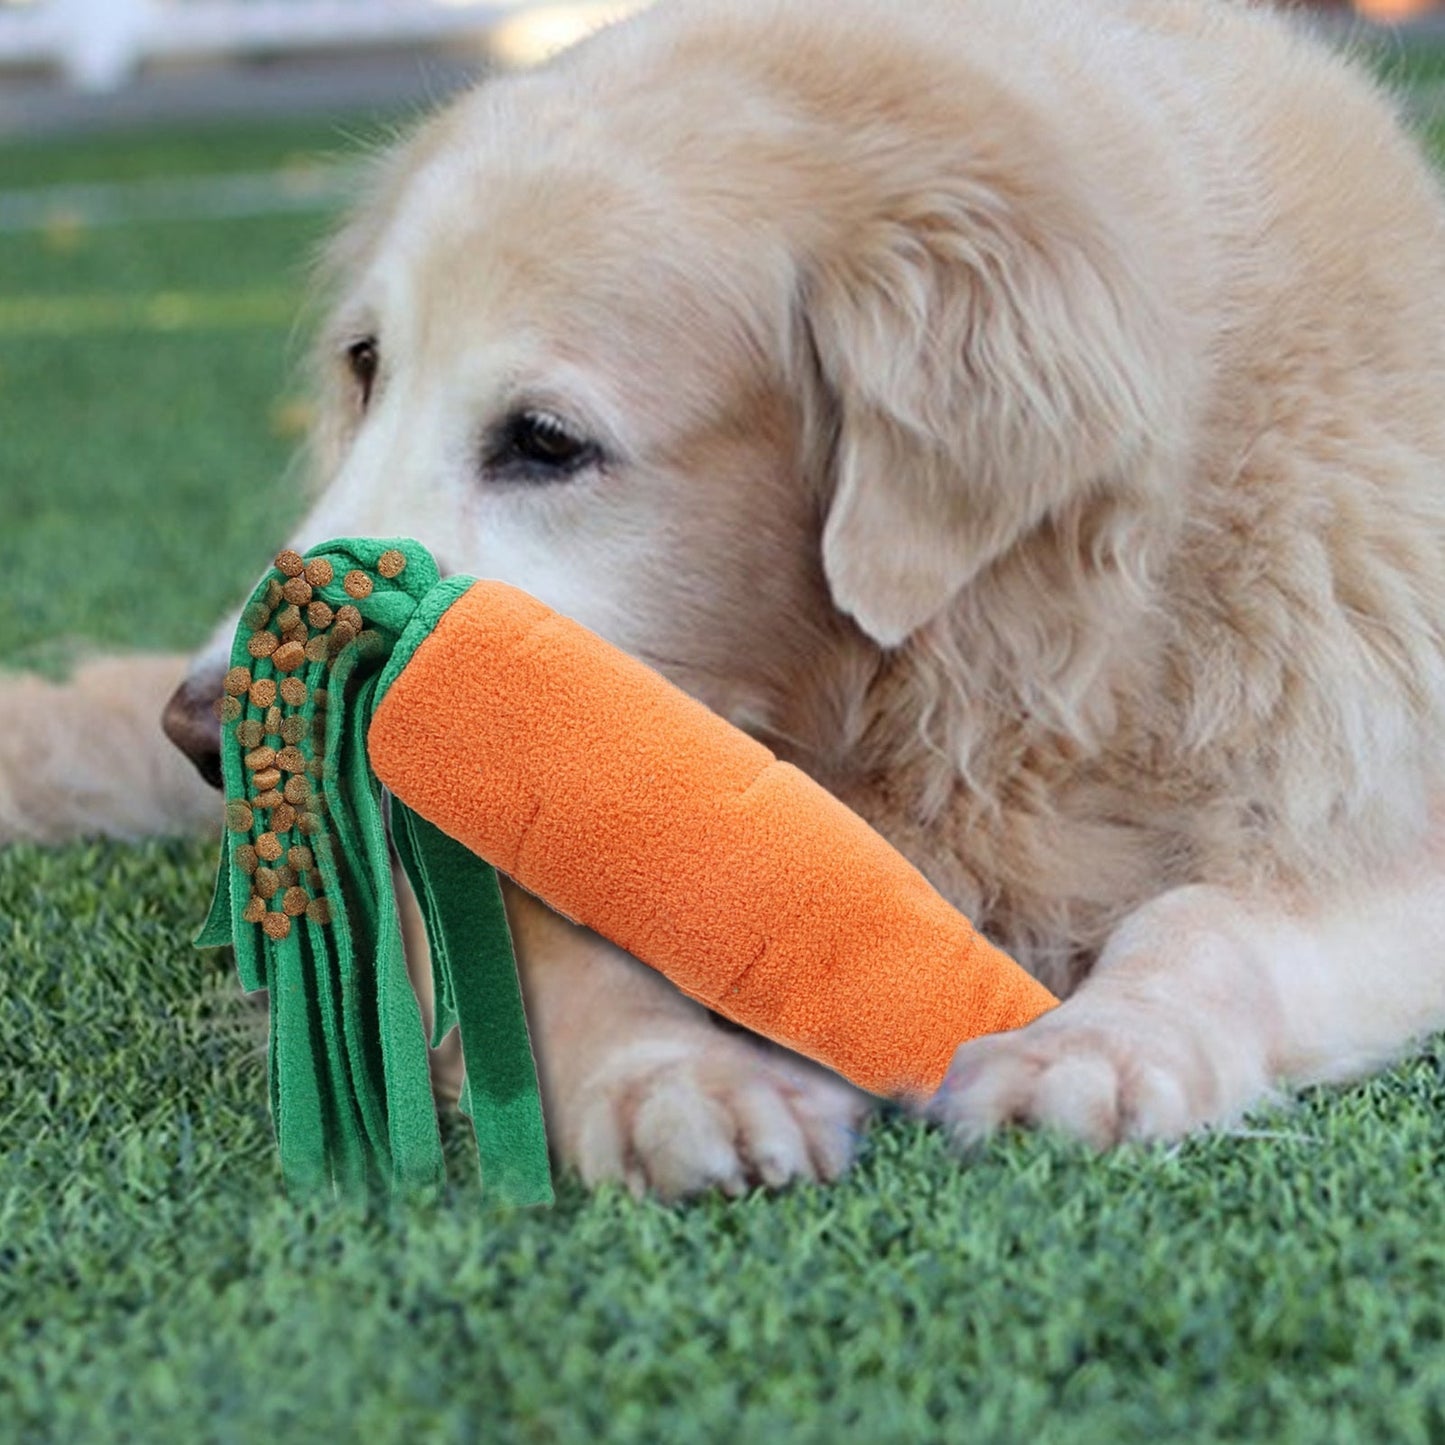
x=504, y=736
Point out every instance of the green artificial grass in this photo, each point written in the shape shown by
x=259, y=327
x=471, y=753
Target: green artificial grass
x=1283, y=1284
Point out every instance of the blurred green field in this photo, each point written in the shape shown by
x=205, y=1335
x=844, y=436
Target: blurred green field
x=1284, y=1284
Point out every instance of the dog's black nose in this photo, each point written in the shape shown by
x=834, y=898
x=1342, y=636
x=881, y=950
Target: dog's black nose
x=190, y=722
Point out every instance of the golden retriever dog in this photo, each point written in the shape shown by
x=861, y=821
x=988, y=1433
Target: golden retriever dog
x=1027, y=416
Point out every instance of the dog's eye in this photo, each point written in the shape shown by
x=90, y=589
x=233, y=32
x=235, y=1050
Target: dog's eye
x=541, y=444
x=364, y=359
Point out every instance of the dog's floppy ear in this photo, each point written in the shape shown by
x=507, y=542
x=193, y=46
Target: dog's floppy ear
x=989, y=356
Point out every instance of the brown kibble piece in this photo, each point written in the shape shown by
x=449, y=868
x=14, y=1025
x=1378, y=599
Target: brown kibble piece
x=249, y=733
x=273, y=594
x=357, y=584
x=277, y=926
x=290, y=563
x=317, y=649
x=391, y=563
x=271, y=798
x=308, y=823
x=238, y=682
x=256, y=616
x=268, y=845
x=287, y=876
x=273, y=720
x=350, y=615
x=319, y=911
x=293, y=729
x=293, y=692
x=283, y=817
x=297, y=591
x=246, y=858
x=295, y=902
x=301, y=858
x=267, y=778
x=342, y=634
x=288, y=620
x=289, y=656
x=291, y=760
x=239, y=817
x=316, y=769
x=263, y=692
x=255, y=909
x=298, y=792
x=227, y=709
x=318, y=572
x=318, y=614
x=266, y=882
x=259, y=759
x=261, y=644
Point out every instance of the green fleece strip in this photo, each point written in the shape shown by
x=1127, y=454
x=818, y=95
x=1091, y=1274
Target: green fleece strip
x=349, y=1081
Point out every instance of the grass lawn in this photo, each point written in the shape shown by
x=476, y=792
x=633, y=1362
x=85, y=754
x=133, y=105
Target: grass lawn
x=1286, y=1284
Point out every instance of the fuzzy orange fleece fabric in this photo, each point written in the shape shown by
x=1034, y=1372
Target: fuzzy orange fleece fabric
x=631, y=808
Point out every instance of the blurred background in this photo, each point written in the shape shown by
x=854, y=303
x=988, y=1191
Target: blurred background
x=168, y=169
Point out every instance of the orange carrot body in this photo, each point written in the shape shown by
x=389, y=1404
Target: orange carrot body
x=631, y=808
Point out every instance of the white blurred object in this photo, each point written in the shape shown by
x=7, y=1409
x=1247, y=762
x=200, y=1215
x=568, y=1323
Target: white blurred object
x=98, y=44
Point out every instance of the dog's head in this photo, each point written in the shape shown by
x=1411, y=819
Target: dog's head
x=739, y=345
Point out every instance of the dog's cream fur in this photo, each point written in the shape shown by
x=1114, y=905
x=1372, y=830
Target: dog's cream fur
x=1027, y=416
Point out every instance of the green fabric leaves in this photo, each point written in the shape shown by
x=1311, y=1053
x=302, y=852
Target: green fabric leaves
x=305, y=893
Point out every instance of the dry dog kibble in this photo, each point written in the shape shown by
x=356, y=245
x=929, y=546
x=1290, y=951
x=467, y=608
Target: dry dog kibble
x=341, y=635
x=239, y=817
x=318, y=572
x=318, y=648
x=391, y=563
x=298, y=792
x=288, y=619
x=267, y=779
x=287, y=876
x=249, y=733
x=271, y=798
x=238, y=682
x=293, y=729
x=308, y=823
x=319, y=911
x=291, y=760
x=273, y=720
x=263, y=692
x=255, y=910
x=256, y=616
x=293, y=692
x=261, y=644
x=266, y=883
x=295, y=902
x=301, y=858
x=246, y=858
x=350, y=615
x=268, y=845
x=318, y=614
x=227, y=709
x=297, y=591
x=283, y=817
x=290, y=563
x=357, y=584
x=277, y=926
x=259, y=759
x=289, y=656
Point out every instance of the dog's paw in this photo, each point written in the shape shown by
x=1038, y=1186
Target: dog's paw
x=677, y=1117
x=1100, y=1074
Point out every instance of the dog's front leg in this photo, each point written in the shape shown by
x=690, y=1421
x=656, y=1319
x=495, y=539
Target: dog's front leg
x=638, y=1083
x=1202, y=1005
